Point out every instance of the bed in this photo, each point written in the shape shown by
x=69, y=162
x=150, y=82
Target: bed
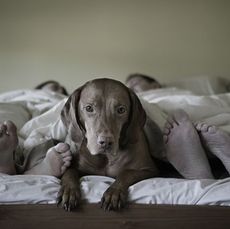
x=159, y=202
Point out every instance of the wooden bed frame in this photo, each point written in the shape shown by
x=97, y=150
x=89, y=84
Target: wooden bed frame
x=135, y=216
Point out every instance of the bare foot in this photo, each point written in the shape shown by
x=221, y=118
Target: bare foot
x=57, y=160
x=183, y=148
x=216, y=141
x=8, y=143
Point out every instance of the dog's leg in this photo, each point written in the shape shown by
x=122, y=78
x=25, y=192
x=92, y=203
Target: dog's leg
x=69, y=195
x=115, y=197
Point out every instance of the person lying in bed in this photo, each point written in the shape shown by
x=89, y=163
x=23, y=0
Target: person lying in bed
x=52, y=85
x=188, y=146
x=57, y=158
x=140, y=82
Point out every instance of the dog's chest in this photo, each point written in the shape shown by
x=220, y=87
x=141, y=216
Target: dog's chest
x=101, y=165
x=92, y=165
x=114, y=167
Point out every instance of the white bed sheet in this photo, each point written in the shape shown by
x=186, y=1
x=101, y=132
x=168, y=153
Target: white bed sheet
x=35, y=189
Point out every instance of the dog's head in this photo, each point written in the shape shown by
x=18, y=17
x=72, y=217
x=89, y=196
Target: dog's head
x=104, y=113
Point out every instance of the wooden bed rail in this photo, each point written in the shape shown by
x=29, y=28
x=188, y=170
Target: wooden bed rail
x=135, y=216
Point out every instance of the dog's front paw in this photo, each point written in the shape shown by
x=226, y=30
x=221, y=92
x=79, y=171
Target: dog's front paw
x=69, y=197
x=114, y=198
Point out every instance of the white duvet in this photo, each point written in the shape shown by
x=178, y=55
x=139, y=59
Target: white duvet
x=37, y=115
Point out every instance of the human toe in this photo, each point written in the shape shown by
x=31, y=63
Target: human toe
x=180, y=116
x=65, y=166
x=197, y=125
x=212, y=129
x=166, y=131
x=63, y=169
x=165, y=138
x=62, y=147
x=170, y=120
x=204, y=127
x=168, y=125
x=67, y=163
x=66, y=154
x=11, y=129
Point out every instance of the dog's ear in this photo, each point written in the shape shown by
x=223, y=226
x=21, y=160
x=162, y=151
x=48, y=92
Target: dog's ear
x=136, y=122
x=70, y=117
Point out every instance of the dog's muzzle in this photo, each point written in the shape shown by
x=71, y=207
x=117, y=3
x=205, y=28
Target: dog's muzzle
x=105, y=143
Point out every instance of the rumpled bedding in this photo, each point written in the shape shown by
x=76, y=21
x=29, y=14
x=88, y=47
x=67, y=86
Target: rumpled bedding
x=34, y=189
x=37, y=116
x=211, y=109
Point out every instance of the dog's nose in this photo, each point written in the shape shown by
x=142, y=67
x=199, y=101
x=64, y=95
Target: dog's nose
x=105, y=142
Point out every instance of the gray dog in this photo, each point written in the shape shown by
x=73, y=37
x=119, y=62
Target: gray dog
x=105, y=122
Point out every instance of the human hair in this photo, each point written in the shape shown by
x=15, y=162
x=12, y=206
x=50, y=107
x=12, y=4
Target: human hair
x=149, y=79
x=41, y=85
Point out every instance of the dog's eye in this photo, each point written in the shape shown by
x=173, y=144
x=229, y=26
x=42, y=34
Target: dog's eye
x=89, y=108
x=121, y=110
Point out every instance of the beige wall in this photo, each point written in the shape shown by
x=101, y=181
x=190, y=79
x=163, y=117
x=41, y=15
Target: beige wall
x=74, y=41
